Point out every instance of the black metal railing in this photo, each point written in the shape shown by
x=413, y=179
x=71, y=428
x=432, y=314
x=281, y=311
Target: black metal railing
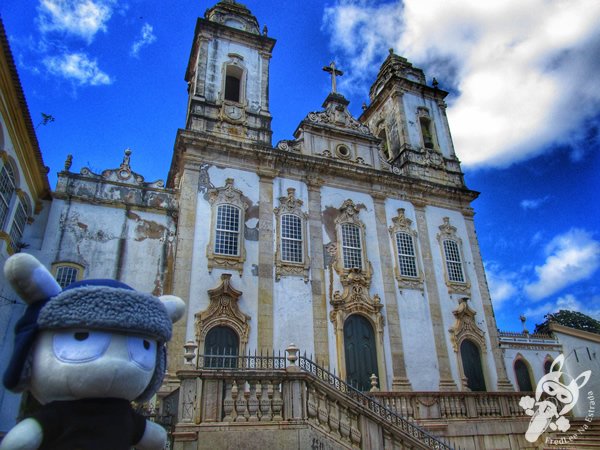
x=371, y=404
x=225, y=359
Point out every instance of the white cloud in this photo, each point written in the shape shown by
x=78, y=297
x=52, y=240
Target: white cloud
x=147, y=37
x=522, y=74
x=533, y=203
x=568, y=302
x=83, y=18
x=77, y=67
x=570, y=257
x=502, y=285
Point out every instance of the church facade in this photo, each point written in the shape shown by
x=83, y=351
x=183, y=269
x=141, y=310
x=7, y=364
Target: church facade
x=353, y=240
x=360, y=229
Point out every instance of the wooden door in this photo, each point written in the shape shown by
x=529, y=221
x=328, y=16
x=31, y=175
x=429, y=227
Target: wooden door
x=360, y=351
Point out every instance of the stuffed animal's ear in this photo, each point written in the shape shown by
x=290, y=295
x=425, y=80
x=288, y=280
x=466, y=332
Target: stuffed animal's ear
x=29, y=278
x=175, y=306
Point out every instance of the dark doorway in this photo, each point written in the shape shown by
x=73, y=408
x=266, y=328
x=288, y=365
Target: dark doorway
x=471, y=361
x=222, y=346
x=523, y=378
x=360, y=351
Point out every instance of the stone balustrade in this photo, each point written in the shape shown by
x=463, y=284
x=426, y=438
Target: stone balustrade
x=452, y=405
x=212, y=399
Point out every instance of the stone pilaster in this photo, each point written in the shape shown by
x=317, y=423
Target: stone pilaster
x=504, y=383
x=200, y=70
x=317, y=271
x=265, y=261
x=186, y=228
x=439, y=334
x=400, y=381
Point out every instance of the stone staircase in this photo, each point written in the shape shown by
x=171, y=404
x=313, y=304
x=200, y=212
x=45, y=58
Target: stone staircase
x=582, y=435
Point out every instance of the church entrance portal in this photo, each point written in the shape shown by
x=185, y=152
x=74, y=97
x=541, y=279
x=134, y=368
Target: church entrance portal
x=360, y=352
x=222, y=341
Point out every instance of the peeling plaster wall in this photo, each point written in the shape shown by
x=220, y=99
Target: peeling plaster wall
x=201, y=281
x=110, y=242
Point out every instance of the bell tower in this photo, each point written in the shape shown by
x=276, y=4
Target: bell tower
x=410, y=119
x=228, y=75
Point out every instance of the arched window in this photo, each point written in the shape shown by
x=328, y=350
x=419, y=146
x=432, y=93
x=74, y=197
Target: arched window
x=471, y=362
x=233, y=83
x=7, y=190
x=426, y=132
x=291, y=258
x=547, y=366
x=223, y=342
x=22, y=211
x=291, y=238
x=227, y=230
x=226, y=245
x=453, y=261
x=522, y=374
x=66, y=273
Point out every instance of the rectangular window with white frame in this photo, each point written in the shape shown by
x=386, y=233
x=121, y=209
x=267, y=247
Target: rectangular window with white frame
x=291, y=239
x=351, y=246
x=454, y=264
x=407, y=261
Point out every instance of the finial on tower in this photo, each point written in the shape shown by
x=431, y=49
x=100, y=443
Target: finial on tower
x=333, y=71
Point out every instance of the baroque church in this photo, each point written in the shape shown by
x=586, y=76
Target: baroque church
x=350, y=250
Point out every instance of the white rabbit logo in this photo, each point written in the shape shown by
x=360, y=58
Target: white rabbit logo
x=558, y=400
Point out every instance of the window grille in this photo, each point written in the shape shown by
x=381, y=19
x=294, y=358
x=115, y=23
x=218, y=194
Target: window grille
x=227, y=230
x=65, y=275
x=453, y=262
x=18, y=225
x=7, y=189
x=291, y=238
x=351, y=246
x=406, y=255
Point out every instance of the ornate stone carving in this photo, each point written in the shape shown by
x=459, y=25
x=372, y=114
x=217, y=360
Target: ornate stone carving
x=231, y=196
x=448, y=233
x=403, y=224
x=465, y=326
x=338, y=117
x=291, y=205
x=223, y=310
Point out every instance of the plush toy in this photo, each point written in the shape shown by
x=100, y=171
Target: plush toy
x=85, y=353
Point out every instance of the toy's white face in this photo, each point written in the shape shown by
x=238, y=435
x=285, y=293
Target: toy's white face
x=80, y=363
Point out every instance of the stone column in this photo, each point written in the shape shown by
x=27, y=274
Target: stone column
x=186, y=228
x=265, y=260
x=400, y=381
x=317, y=270
x=504, y=383
x=439, y=333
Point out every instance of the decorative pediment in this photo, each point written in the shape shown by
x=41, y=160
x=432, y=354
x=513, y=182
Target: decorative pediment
x=349, y=214
x=123, y=174
x=355, y=299
x=223, y=310
x=447, y=230
x=227, y=194
x=465, y=326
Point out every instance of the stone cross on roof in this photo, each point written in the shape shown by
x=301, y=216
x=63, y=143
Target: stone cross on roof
x=333, y=71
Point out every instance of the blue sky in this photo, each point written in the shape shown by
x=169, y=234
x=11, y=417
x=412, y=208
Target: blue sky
x=524, y=107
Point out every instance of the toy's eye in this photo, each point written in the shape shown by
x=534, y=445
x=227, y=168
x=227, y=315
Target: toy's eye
x=142, y=351
x=80, y=346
